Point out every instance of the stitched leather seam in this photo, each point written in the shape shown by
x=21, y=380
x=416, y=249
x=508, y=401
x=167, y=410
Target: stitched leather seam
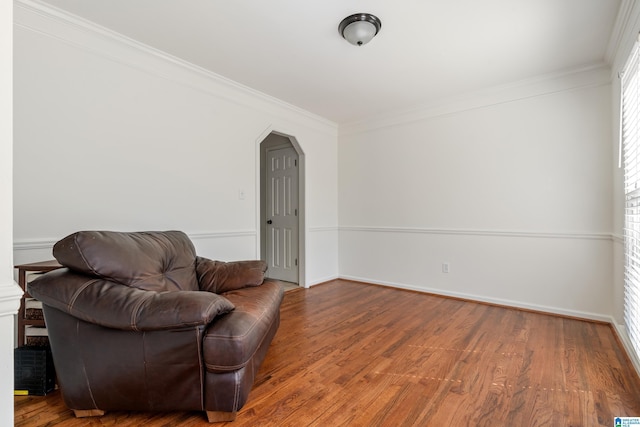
x=135, y=313
x=243, y=364
x=236, y=395
x=256, y=321
x=77, y=293
x=202, y=390
x=146, y=277
x=84, y=370
x=75, y=240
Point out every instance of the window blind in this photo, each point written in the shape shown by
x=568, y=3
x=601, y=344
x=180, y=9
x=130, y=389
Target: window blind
x=630, y=82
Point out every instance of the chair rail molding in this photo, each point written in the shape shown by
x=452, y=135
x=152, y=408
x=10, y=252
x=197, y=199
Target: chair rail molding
x=10, y=295
x=47, y=243
x=481, y=232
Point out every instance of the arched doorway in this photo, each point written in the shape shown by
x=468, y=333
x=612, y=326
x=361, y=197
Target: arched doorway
x=282, y=208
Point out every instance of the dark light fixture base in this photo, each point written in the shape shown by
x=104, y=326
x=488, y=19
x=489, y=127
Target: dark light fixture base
x=356, y=18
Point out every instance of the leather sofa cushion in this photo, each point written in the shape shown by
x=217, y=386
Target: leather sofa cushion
x=220, y=277
x=152, y=260
x=109, y=304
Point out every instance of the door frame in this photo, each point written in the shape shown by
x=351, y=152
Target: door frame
x=272, y=140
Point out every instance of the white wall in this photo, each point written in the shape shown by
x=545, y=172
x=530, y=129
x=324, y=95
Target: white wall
x=114, y=135
x=624, y=42
x=9, y=291
x=511, y=188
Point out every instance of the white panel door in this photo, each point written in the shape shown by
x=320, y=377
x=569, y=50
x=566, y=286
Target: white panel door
x=282, y=214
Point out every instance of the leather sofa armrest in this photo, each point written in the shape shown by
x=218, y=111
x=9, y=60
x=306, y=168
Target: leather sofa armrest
x=231, y=342
x=117, y=306
x=220, y=277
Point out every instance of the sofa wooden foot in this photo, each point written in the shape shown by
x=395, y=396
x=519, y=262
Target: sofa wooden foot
x=219, y=417
x=82, y=413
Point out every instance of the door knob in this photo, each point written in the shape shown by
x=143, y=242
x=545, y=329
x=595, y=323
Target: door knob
x=269, y=222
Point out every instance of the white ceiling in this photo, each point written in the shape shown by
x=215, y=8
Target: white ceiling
x=427, y=50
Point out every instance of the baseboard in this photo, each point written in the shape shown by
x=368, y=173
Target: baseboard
x=623, y=337
x=323, y=280
x=496, y=301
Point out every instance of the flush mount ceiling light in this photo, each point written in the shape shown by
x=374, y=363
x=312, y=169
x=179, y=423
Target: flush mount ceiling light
x=360, y=28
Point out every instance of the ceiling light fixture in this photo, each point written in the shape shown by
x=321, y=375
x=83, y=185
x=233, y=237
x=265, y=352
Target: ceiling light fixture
x=360, y=28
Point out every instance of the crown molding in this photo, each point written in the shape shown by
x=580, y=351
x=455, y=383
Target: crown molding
x=624, y=35
x=80, y=33
x=619, y=30
x=71, y=29
x=593, y=75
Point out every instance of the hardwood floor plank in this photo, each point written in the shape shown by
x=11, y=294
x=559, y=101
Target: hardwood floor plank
x=354, y=354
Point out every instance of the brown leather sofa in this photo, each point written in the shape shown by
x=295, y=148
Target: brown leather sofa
x=138, y=322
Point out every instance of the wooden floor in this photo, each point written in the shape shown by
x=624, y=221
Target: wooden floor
x=350, y=354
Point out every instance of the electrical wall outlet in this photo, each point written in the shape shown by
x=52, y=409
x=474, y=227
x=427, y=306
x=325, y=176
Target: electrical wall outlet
x=445, y=267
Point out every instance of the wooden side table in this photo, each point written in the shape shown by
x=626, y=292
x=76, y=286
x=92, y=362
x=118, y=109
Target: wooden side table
x=30, y=314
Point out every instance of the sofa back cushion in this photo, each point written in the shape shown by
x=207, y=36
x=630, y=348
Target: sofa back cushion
x=150, y=260
x=219, y=276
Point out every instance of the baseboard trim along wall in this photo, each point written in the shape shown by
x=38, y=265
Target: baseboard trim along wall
x=621, y=332
x=323, y=280
x=488, y=300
